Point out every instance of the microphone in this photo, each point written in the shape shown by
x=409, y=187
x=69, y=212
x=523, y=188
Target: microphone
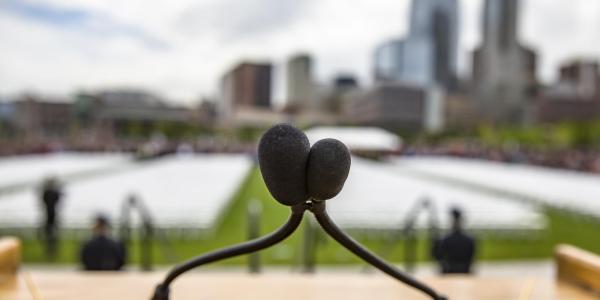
x=327, y=169
x=301, y=177
x=282, y=156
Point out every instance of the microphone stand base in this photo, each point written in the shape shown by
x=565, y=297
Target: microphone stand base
x=161, y=293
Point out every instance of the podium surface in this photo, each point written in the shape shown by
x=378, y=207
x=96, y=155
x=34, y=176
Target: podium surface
x=575, y=269
x=227, y=286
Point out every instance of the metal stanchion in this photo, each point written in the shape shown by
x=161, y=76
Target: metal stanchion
x=146, y=230
x=309, y=245
x=254, y=213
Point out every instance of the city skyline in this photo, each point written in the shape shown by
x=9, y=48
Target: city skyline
x=180, y=49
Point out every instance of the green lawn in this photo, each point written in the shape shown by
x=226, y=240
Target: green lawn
x=562, y=228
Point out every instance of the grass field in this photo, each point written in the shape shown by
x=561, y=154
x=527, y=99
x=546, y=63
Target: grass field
x=562, y=228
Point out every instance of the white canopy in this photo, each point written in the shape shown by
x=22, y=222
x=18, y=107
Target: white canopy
x=358, y=138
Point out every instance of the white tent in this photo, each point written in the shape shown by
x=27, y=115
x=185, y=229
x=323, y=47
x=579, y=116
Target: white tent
x=358, y=138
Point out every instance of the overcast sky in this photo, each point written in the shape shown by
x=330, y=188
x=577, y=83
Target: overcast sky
x=180, y=48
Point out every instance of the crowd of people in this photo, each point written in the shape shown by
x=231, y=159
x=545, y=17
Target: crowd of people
x=583, y=160
x=576, y=159
x=142, y=148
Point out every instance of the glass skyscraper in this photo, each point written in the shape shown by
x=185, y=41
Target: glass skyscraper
x=428, y=55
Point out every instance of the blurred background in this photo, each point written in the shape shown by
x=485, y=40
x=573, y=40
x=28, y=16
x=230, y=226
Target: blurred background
x=149, y=113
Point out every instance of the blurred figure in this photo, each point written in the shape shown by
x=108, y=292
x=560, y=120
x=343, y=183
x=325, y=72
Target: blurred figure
x=51, y=195
x=101, y=252
x=455, y=251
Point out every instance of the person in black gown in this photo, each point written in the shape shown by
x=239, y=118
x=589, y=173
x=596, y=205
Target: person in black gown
x=51, y=196
x=101, y=252
x=455, y=252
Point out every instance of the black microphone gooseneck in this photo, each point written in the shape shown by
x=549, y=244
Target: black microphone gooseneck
x=301, y=177
x=162, y=290
x=353, y=246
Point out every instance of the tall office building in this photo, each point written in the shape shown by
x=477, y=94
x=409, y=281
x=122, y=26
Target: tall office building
x=428, y=55
x=300, y=85
x=248, y=85
x=431, y=52
x=503, y=70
